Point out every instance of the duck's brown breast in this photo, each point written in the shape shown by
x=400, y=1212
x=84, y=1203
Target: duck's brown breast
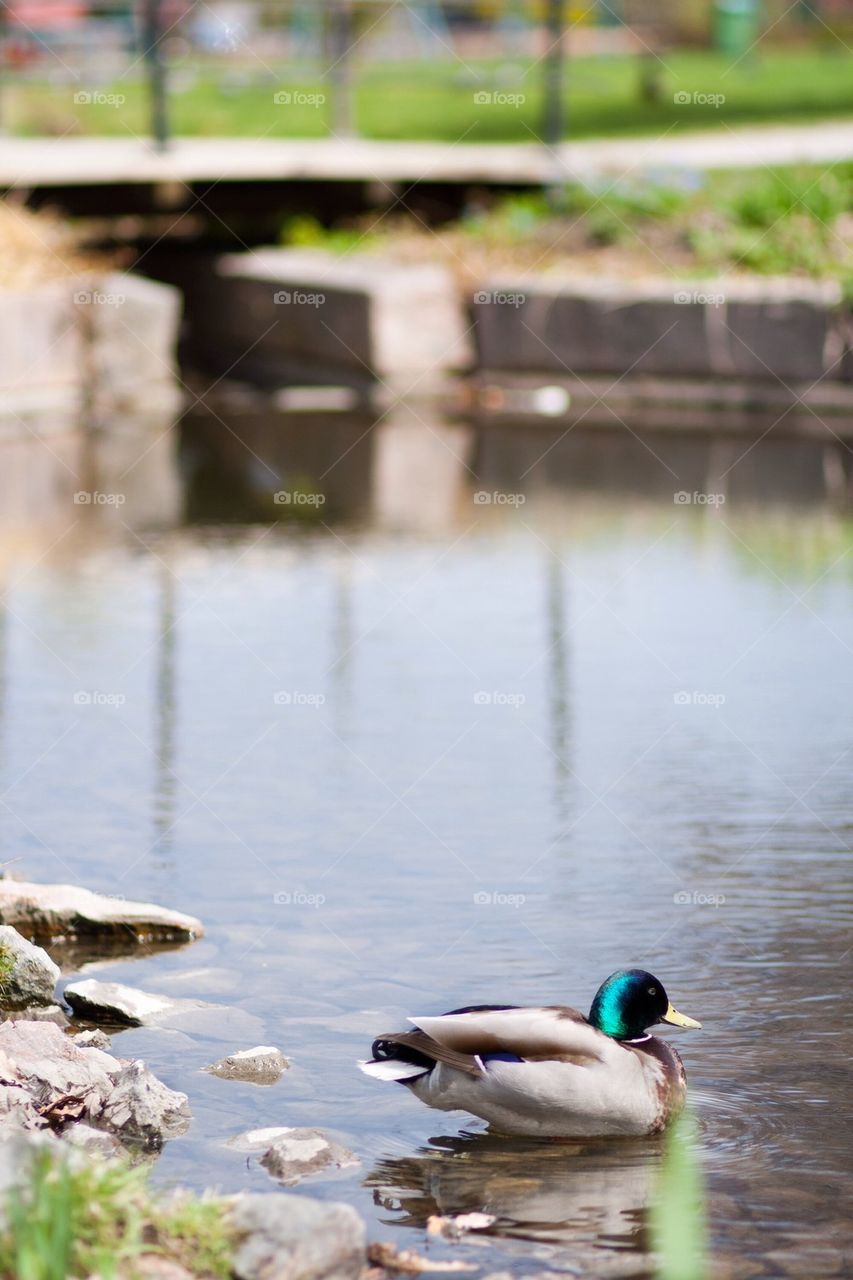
x=672, y=1082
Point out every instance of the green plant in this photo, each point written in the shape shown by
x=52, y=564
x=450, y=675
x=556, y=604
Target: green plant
x=85, y=1218
x=7, y=964
x=677, y=1218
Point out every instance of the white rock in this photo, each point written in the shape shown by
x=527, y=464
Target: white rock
x=115, y=1002
x=62, y=910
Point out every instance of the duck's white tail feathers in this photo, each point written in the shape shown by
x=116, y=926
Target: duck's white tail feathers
x=391, y=1069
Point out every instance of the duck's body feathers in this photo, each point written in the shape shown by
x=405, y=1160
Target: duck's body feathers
x=542, y=1071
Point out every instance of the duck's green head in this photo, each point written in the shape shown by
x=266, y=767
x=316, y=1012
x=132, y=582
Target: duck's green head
x=630, y=1001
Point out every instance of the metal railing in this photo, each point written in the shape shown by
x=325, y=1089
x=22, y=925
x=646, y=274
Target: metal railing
x=77, y=53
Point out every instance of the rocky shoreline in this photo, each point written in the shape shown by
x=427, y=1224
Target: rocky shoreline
x=67, y=1098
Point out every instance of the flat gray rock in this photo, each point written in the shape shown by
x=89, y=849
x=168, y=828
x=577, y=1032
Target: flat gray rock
x=262, y=1065
x=296, y=1238
x=49, y=1081
x=64, y=911
x=297, y=1153
x=33, y=976
x=113, y=1002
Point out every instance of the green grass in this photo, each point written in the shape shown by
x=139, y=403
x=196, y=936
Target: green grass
x=7, y=964
x=677, y=1219
x=784, y=221
x=96, y=1218
x=435, y=100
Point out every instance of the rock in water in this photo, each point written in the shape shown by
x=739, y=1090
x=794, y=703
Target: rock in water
x=296, y=1238
x=64, y=911
x=142, y=1109
x=114, y=1002
x=261, y=1065
x=299, y=1152
x=32, y=977
x=51, y=1082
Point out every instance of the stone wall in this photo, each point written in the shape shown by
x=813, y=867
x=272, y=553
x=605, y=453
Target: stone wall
x=88, y=396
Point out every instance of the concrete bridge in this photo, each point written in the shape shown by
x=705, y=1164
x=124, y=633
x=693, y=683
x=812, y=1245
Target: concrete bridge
x=102, y=162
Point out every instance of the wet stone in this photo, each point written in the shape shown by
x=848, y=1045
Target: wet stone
x=297, y=1153
x=262, y=1065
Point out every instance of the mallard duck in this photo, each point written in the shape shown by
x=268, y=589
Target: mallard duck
x=547, y=1072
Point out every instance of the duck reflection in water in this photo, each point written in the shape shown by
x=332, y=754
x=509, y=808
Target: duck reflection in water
x=585, y=1193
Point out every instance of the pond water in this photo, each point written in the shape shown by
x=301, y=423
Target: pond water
x=416, y=749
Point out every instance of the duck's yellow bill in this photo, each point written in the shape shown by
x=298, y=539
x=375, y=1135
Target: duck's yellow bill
x=676, y=1019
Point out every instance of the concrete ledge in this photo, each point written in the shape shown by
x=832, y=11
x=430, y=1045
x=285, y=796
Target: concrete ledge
x=88, y=394
x=757, y=329
x=280, y=315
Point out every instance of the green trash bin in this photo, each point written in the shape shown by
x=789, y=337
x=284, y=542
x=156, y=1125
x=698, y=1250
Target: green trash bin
x=735, y=25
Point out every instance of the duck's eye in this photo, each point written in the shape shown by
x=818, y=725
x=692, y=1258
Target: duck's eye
x=653, y=991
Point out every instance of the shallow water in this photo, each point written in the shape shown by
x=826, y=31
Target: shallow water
x=522, y=745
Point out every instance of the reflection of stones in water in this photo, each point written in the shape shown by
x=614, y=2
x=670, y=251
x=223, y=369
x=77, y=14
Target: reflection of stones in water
x=591, y=1195
x=421, y=472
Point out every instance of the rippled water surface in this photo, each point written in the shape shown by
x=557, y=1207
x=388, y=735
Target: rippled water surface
x=425, y=751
